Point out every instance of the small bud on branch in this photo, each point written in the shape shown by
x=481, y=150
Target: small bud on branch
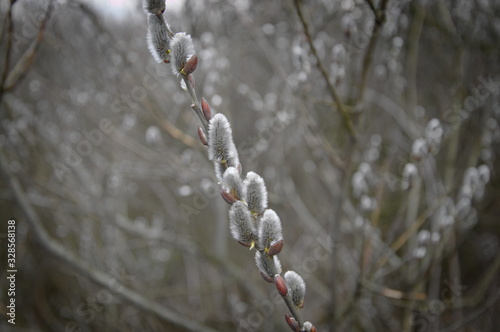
x=292, y=323
x=201, y=135
x=280, y=285
x=190, y=65
x=205, y=107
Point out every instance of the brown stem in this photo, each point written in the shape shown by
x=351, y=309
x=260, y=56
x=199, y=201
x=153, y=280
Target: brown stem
x=377, y=28
x=324, y=73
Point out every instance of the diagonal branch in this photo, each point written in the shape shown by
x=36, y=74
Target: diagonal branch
x=331, y=89
x=377, y=28
x=10, y=78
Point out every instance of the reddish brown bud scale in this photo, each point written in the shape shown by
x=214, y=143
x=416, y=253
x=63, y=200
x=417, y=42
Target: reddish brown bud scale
x=275, y=247
x=201, y=135
x=227, y=197
x=314, y=329
x=190, y=65
x=266, y=277
x=279, y=282
x=292, y=323
x=245, y=244
x=190, y=79
x=206, y=109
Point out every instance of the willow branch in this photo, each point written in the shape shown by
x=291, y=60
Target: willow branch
x=331, y=89
x=11, y=78
x=379, y=21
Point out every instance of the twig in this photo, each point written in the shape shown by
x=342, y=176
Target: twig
x=194, y=103
x=324, y=73
x=367, y=60
x=87, y=269
x=10, y=79
x=473, y=315
x=412, y=58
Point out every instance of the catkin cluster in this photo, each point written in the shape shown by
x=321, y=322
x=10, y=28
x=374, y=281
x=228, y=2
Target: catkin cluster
x=251, y=222
x=164, y=45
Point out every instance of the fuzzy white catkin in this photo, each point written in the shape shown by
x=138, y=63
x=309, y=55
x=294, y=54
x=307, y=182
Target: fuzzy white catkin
x=434, y=132
x=182, y=49
x=269, y=229
x=233, y=184
x=307, y=326
x=221, y=148
x=265, y=269
x=158, y=42
x=241, y=224
x=155, y=7
x=419, y=149
x=296, y=287
x=256, y=192
x=410, y=174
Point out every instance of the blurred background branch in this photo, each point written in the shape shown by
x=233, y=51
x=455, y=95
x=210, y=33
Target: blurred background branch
x=398, y=232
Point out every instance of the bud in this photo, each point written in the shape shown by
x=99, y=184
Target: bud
x=221, y=148
x=190, y=79
x=419, y=149
x=155, y=7
x=269, y=230
x=423, y=237
x=434, y=133
x=484, y=173
x=292, y=323
x=158, y=42
x=256, y=193
x=275, y=247
x=280, y=285
x=266, y=277
x=205, y=107
x=201, y=135
x=410, y=173
x=268, y=271
x=228, y=197
x=296, y=287
x=190, y=65
x=307, y=327
x=233, y=184
x=241, y=224
x=182, y=49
